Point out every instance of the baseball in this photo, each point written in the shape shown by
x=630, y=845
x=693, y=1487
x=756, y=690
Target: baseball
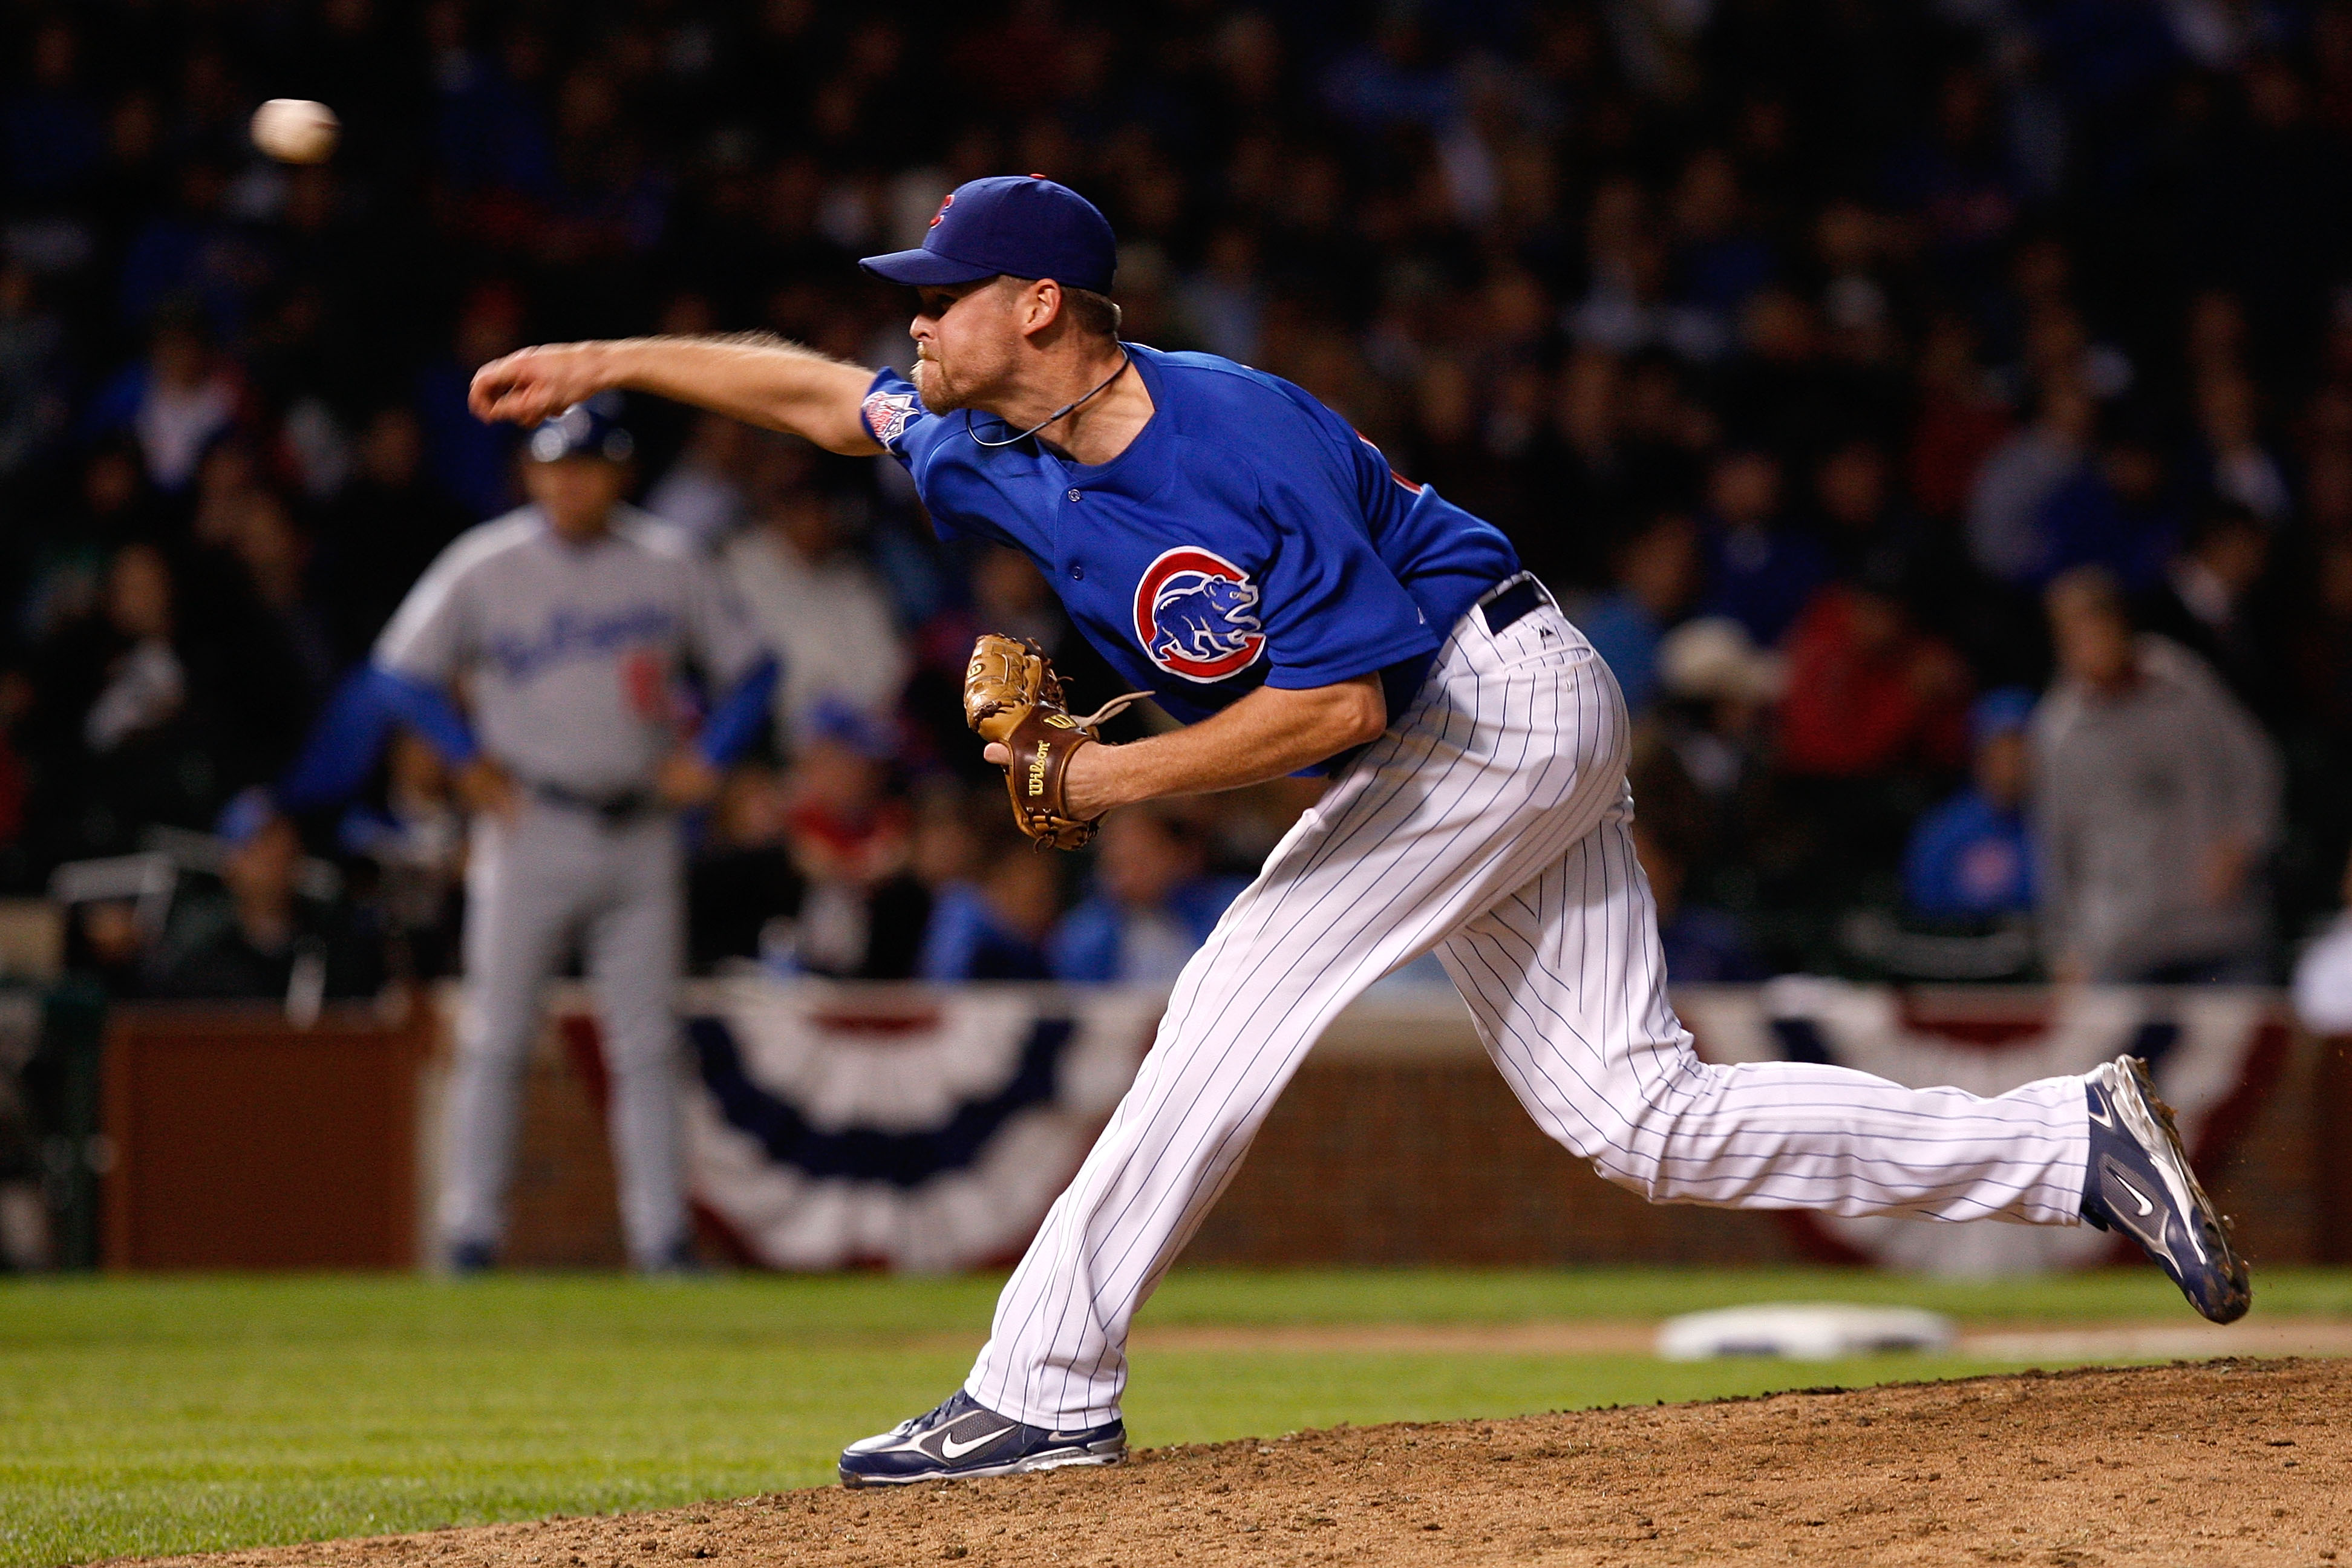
x=296, y=129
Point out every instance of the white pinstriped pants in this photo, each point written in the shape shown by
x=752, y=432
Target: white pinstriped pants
x=1492, y=823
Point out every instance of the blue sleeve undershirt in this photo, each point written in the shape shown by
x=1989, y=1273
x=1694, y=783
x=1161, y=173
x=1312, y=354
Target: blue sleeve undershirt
x=351, y=731
x=734, y=722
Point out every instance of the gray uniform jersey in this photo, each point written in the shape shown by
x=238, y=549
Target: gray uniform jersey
x=568, y=654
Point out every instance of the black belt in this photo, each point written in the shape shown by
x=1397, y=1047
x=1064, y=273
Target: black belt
x=613, y=810
x=1506, y=608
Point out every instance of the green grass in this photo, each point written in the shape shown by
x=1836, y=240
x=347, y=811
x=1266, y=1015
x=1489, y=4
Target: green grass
x=160, y=1415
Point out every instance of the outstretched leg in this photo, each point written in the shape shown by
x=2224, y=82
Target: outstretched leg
x=1567, y=983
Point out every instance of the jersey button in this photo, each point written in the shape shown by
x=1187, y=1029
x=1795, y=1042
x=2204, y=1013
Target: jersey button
x=1074, y=495
x=1078, y=573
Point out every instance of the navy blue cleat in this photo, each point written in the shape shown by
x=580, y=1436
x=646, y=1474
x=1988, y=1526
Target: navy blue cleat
x=963, y=1438
x=2139, y=1182
x=466, y=1258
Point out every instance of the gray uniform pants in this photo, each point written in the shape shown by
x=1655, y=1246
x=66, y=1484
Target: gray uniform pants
x=534, y=884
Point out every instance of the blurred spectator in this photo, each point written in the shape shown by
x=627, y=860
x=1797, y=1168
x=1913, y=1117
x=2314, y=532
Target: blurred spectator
x=32, y=408
x=743, y=891
x=2156, y=802
x=1656, y=573
x=1763, y=571
x=1703, y=946
x=1225, y=301
x=473, y=461
x=816, y=604
x=2204, y=603
x=120, y=724
x=704, y=492
x=2011, y=530
x=1959, y=420
x=380, y=531
x=417, y=843
x=176, y=401
x=994, y=925
x=275, y=556
x=260, y=936
x=861, y=910
x=55, y=133
x=2242, y=469
x=1868, y=694
x=1152, y=907
x=1724, y=687
x=1971, y=857
x=1867, y=530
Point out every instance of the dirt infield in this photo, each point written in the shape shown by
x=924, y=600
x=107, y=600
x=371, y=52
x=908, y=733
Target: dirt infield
x=2234, y=1462
x=2020, y=1344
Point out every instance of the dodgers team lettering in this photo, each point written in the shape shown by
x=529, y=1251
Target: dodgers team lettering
x=1196, y=615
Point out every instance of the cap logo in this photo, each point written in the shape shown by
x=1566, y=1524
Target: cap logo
x=1196, y=615
x=942, y=212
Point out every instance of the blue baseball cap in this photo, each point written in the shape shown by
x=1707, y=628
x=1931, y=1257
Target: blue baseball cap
x=1024, y=226
x=2002, y=711
x=249, y=810
x=590, y=429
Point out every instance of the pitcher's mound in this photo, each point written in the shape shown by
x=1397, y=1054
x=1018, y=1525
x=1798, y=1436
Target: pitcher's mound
x=2226, y=1462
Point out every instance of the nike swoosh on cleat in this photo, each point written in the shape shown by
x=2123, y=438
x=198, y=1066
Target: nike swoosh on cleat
x=949, y=1449
x=2146, y=1207
x=2102, y=1117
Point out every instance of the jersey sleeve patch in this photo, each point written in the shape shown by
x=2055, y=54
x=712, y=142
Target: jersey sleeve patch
x=887, y=414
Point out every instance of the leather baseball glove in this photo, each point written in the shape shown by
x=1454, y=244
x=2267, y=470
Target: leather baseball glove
x=1012, y=697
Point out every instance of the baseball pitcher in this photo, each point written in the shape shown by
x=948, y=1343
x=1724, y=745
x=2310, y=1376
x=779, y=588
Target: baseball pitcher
x=1230, y=544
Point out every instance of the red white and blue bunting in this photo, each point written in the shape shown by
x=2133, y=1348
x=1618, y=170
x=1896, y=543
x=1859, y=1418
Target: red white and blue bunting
x=916, y=1130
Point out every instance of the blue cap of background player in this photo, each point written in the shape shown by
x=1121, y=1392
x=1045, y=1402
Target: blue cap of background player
x=2002, y=711
x=590, y=429
x=1022, y=225
x=249, y=810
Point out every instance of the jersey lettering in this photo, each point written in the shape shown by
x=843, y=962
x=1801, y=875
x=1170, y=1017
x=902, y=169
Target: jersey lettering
x=568, y=634
x=1196, y=615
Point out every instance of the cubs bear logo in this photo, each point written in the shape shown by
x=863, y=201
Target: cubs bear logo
x=1196, y=615
x=887, y=414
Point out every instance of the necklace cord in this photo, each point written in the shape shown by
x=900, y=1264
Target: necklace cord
x=1125, y=360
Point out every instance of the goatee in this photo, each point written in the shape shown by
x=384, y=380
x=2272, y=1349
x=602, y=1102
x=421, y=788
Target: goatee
x=932, y=387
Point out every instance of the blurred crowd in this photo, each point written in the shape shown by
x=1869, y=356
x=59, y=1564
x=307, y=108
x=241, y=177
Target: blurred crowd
x=1940, y=415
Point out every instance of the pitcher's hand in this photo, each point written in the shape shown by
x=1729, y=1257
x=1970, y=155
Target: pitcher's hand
x=531, y=384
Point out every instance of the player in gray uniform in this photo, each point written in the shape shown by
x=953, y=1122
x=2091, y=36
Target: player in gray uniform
x=567, y=625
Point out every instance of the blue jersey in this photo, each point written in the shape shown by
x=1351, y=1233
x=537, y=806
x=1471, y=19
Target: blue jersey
x=1246, y=537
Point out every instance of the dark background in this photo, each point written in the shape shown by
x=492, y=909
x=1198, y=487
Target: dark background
x=1580, y=265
